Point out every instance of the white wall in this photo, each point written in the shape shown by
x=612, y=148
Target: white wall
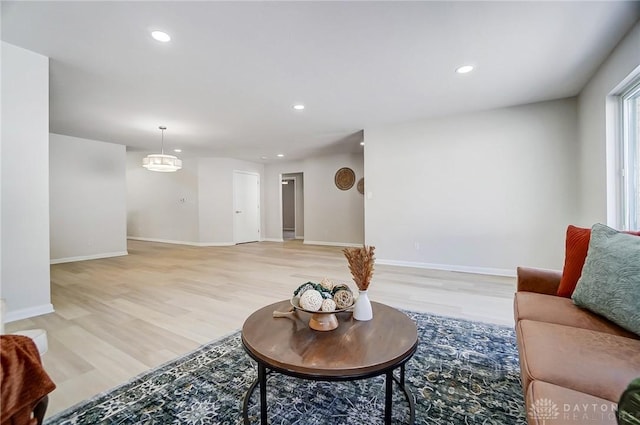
x=215, y=189
x=87, y=188
x=481, y=192
x=331, y=216
x=192, y=206
x=597, y=154
x=25, y=183
x=162, y=206
x=2, y=308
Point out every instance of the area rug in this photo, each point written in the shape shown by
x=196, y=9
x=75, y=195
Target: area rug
x=462, y=373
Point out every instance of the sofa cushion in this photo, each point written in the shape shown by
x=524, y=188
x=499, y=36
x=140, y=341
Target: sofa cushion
x=595, y=363
x=576, y=246
x=610, y=281
x=562, y=311
x=558, y=405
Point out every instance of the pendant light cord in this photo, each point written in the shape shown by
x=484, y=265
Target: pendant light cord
x=162, y=128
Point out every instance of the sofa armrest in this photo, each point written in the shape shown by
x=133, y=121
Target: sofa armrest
x=538, y=280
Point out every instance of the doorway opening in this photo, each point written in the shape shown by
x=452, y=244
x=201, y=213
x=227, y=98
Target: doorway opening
x=292, y=195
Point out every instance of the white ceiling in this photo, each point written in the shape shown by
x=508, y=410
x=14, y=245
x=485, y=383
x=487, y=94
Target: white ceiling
x=226, y=83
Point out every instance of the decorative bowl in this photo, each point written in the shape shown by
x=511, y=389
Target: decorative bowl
x=320, y=320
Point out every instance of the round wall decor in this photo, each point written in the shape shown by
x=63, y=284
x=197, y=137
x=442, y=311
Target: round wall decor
x=361, y=186
x=345, y=178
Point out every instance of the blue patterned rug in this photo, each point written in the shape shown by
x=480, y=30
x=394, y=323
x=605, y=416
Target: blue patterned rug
x=462, y=373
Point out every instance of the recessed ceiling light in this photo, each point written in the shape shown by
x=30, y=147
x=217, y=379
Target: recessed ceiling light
x=177, y=150
x=263, y=157
x=361, y=143
x=298, y=107
x=160, y=36
x=464, y=69
x=280, y=155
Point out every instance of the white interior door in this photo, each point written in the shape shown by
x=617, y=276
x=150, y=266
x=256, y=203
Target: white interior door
x=246, y=204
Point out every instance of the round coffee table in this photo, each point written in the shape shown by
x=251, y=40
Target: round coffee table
x=355, y=350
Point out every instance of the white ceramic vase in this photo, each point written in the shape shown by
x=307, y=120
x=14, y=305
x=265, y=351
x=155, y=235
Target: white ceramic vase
x=362, y=310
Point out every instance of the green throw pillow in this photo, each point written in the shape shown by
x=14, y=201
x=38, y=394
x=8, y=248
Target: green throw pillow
x=629, y=405
x=610, y=281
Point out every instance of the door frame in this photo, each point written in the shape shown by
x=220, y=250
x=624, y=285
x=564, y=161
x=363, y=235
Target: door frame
x=233, y=206
x=295, y=204
x=288, y=176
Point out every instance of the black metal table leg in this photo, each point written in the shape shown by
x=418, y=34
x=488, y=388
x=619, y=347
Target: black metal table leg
x=262, y=377
x=261, y=381
x=388, y=397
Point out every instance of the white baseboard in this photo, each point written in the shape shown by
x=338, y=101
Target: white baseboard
x=25, y=313
x=272, y=240
x=449, y=267
x=88, y=257
x=307, y=242
x=135, y=238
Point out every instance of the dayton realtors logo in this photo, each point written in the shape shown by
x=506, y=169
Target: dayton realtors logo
x=544, y=409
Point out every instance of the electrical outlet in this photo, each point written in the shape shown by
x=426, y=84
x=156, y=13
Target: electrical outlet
x=416, y=245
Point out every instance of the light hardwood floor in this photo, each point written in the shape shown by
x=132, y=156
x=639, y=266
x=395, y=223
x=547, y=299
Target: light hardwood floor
x=115, y=318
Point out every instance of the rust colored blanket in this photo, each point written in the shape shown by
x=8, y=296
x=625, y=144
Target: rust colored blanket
x=23, y=380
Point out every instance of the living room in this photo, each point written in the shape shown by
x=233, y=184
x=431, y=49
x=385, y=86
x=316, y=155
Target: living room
x=480, y=189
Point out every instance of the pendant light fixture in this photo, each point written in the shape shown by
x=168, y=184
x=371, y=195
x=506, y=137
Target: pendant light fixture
x=161, y=162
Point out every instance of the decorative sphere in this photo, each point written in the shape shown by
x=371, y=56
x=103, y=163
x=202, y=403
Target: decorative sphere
x=302, y=288
x=343, y=298
x=311, y=300
x=327, y=284
x=328, y=305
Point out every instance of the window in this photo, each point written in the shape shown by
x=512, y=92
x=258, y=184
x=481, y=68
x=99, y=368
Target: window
x=630, y=108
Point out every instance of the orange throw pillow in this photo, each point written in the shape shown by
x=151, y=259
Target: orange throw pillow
x=576, y=247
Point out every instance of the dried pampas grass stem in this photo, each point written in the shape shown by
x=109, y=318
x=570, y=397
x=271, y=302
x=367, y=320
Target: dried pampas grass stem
x=361, y=265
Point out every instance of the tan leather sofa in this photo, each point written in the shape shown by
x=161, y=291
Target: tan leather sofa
x=574, y=364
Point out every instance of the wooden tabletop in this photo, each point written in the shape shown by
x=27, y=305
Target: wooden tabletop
x=355, y=349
